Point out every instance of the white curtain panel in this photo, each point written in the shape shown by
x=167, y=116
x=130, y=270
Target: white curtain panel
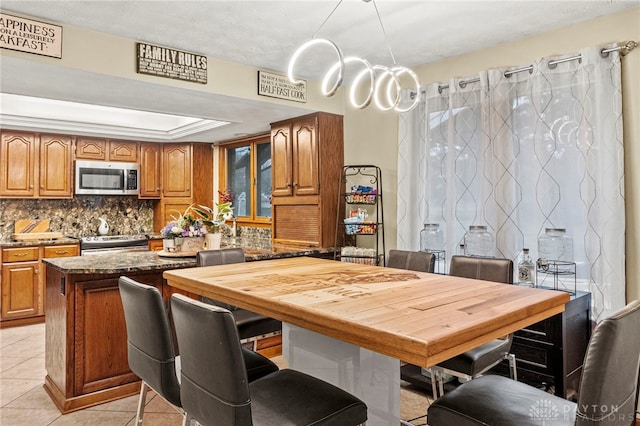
x=537, y=149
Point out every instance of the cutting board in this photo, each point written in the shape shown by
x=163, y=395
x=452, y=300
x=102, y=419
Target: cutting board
x=25, y=226
x=34, y=229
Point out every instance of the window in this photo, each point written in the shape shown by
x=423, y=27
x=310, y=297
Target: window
x=245, y=174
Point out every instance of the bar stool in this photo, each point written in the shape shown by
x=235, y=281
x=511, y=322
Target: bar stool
x=221, y=395
x=476, y=361
x=251, y=325
x=608, y=388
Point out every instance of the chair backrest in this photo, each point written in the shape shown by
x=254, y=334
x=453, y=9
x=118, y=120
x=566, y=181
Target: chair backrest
x=150, y=345
x=219, y=257
x=412, y=260
x=214, y=388
x=482, y=268
x=609, y=386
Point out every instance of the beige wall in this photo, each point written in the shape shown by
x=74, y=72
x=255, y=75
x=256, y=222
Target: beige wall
x=619, y=27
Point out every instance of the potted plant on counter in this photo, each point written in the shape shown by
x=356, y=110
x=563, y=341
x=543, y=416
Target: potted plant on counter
x=197, y=227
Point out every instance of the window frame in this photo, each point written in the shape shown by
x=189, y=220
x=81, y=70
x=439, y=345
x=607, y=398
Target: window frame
x=252, y=142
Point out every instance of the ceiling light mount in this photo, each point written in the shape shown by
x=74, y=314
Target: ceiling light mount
x=377, y=74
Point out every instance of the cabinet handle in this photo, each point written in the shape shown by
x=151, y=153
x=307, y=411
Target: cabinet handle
x=41, y=186
x=20, y=254
x=37, y=271
x=288, y=185
x=295, y=183
x=62, y=251
x=31, y=186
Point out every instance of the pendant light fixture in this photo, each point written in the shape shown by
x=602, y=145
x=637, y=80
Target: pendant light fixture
x=384, y=86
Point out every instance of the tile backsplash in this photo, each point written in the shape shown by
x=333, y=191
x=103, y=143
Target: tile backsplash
x=78, y=217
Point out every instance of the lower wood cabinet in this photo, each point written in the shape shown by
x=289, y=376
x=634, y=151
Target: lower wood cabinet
x=86, y=337
x=23, y=279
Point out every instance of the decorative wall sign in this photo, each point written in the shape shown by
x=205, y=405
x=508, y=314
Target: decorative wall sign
x=279, y=86
x=27, y=35
x=171, y=63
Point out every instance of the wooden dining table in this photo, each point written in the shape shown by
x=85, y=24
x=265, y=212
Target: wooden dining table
x=415, y=317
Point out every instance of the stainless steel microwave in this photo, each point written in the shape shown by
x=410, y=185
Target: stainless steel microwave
x=107, y=178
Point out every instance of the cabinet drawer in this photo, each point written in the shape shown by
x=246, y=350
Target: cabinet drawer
x=533, y=356
x=548, y=331
x=21, y=254
x=61, y=250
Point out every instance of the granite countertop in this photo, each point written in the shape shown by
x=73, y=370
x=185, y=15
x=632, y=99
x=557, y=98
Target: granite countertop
x=58, y=241
x=115, y=262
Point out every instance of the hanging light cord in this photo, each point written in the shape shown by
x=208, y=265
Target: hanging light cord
x=386, y=39
x=326, y=19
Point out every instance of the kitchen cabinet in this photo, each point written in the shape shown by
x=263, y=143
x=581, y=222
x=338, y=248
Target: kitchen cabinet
x=35, y=165
x=187, y=178
x=150, y=170
x=106, y=149
x=23, y=281
x=307, y=155
x=176, y=161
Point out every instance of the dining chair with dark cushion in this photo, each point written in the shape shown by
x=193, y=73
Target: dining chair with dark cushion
x=414, y=261
x=411, y=260
x=251, y=325
x=150, y=345
x=607, y=395
x=221, y=395
x=479, y=360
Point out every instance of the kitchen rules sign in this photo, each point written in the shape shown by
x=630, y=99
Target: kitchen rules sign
x=26, y=35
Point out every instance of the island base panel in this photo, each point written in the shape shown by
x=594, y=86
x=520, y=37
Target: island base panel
x=371, y=376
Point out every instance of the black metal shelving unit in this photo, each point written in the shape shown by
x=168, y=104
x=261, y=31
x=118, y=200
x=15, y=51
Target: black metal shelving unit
x=360, y=191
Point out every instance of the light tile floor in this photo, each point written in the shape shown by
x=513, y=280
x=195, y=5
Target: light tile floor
x=23, y=401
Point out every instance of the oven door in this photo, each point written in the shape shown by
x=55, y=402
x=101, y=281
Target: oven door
x=94, y=251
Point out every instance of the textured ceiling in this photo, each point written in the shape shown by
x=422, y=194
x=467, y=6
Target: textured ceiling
x=265, y=33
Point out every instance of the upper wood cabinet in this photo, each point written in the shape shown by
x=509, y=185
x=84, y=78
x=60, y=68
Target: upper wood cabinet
x=294, y=148
x=307, y=155
x=176, y=162
x=106, y=149
x=33, y=165
x=56, y=156
x=150, y=170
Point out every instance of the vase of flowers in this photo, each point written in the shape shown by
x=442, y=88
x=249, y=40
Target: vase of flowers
x=188, y=228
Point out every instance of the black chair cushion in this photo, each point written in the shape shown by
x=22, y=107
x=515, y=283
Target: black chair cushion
x=516, y=404
x=257, y=366
x=478, y=359
x=290, y=397
x=251, y=324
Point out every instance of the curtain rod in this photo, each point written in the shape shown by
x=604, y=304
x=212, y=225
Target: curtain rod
x=624, y=49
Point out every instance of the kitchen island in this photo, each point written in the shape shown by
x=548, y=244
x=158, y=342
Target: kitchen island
x=85, y=346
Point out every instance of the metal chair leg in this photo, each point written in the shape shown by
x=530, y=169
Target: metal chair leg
x=440, y=375
x=512, y=366
x=141, y=402
x=434, y=388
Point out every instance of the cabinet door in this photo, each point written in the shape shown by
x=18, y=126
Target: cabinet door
x=91, y=149
x=305, y=157
x=17, y=164
x=123, y=151
x=281, y=161
x=56, y=158
x=176, y=162
x=22, y=293
x=150, y=170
